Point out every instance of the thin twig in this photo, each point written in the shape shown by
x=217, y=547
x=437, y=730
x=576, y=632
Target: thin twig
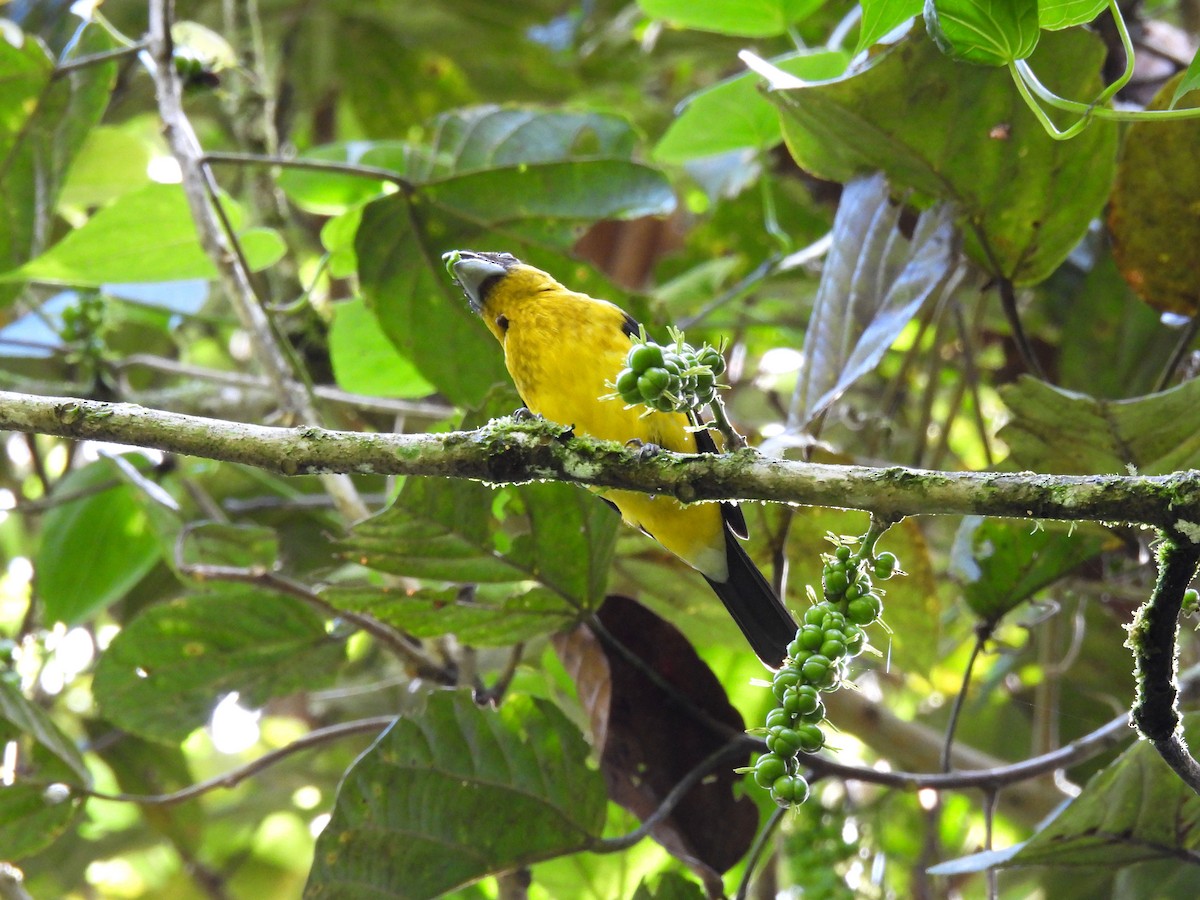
x=236, y=776
x=698, y=773
x=756, y=851
x=983, y=633
x=95, y=59
x=1186, y=336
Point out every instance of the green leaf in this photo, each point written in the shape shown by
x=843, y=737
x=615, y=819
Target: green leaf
x=747, y=18
x=1153, y=216
x=1056, y=14
x=1189, y=81
x=43, y=123
x=1029, y=197
x=442, y=529
x=734, y=114
x=1137, y=809
x=164, y=673
x=111, y=162
x=455, y=793
x=488, y=616
x=530, y=175
x=984, y=32
x=240, y=545
x=669, y=886
x=1063, y=432
x=78, y=572
x=880, y=17
x=330, y=193
x=26, y=718
x=146, y=235
x=999, y=565
x=365, y=361
x=32, y=818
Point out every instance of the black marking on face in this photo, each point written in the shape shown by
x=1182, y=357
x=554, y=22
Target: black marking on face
x=502, y=323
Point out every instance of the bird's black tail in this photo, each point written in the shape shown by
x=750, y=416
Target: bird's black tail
x=763, y=618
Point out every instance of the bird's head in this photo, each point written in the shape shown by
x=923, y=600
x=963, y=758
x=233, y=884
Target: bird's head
x=496, y=284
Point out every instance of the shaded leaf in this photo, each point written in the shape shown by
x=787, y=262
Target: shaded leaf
x=454, y=793
x=1000, y=564
x=1154, y=217
x=365, y=361
x=984, y=32
x=881, y=17
x=489, y=616
x=20, y=716
x=145, y=235
x=873, y=283
x=32, y=818
x=669, y=886
x=1053, y=430
x=1030, y=197
x=1136, y=809
x=734, y=114
x=240, y=545
x=650, y=737
x=45, y=122
x=329, y=193
x=747, y=18
x=77, y=573
x=535, y=177
x=164, y=673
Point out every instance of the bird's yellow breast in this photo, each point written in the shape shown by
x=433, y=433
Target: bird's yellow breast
x=563, y=350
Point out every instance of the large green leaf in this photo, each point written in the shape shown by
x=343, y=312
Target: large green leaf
x=734, y=114
x=164, y=673
x=43, y=123
x=963, y=133
x=1000, y=564
x=455, y=793
x=111, y=162
x=528, y=175
x=1056, y=14
x=145, y=235
x=1053, y=430
x=93, y=549
x=748, y=18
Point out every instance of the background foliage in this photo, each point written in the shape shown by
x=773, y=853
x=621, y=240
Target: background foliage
x=164, y=621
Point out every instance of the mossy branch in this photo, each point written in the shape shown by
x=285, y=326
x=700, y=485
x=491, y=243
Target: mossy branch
x=508, y=452
x=1152, y=638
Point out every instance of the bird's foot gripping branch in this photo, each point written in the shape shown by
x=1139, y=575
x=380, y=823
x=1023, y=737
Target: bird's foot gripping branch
x=831, y=634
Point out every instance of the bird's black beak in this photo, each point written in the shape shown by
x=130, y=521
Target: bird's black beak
x=475, y=273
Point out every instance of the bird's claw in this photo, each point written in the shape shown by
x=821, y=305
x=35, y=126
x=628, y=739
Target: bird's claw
x=524, y=415
x=645, y=449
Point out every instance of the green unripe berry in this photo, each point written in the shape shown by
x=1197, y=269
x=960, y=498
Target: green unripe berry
x=833, y=621
x=711, y=360
x=815, y=669
x=645, y=356
x=833, y=649
x=815, y=615
x=778, y=717
x=789, y=790
x=784, y=742
x=768, y=769
x=812, y=738
x=652, y=383
x=864, y=610
x=842, y=552
x=785, y=678
x=627, y=386
x=808, y=699
x=811, y=637
x=856, y=641
x=814, y=716
x=885, y=565
x=835, y=583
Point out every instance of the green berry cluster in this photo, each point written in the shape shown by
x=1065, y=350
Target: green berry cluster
x=671, y=378
x=830, y=635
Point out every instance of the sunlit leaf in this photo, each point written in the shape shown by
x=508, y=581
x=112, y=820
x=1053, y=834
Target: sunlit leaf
x=365, y=361
x=880, y=17
x=77, y=573
x=457, y=792
x=145, y=235
x=1189, y=82
x=111, y=162
x=748, y=18
x=984, y=32
x=1056, y=14
x=164, y=673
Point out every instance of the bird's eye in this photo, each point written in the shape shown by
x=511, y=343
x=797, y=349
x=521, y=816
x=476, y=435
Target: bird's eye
x=502, y=323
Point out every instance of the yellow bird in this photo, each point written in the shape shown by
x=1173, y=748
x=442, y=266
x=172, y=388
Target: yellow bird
x=562, y=350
